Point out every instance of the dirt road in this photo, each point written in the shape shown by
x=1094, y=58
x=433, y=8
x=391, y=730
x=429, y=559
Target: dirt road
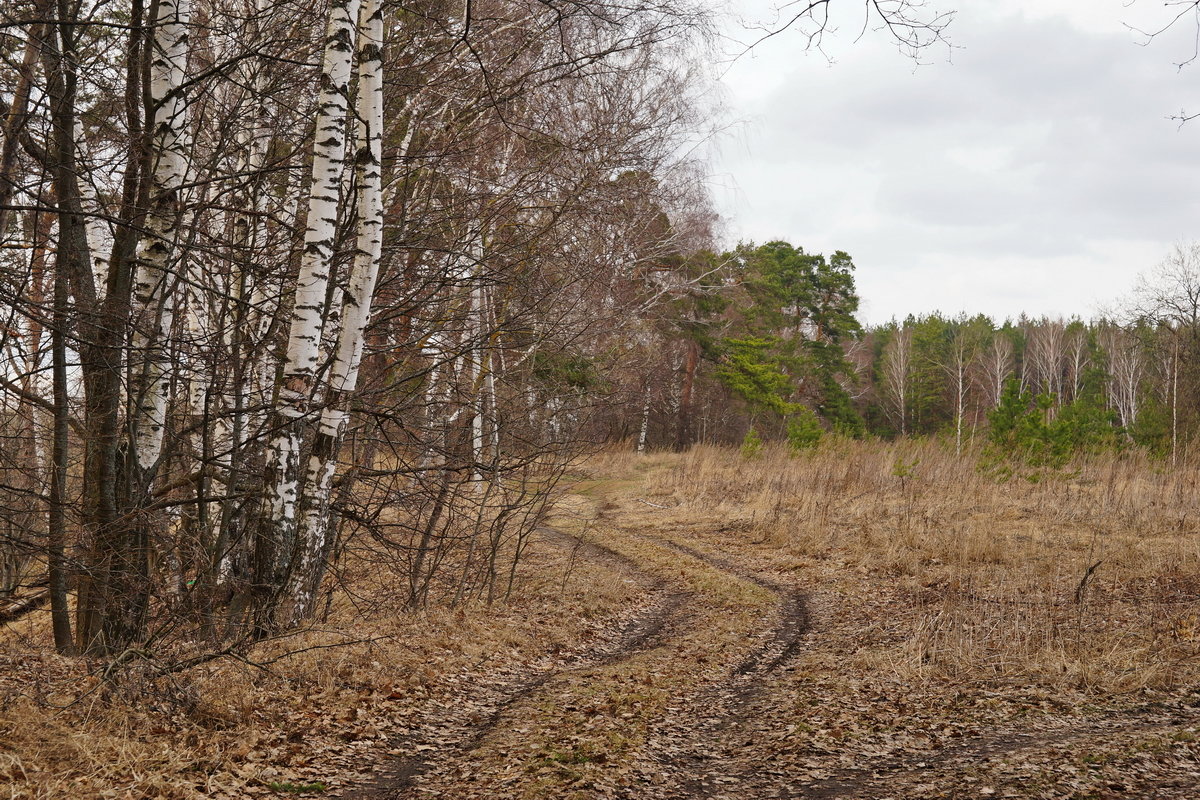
x=740, y=674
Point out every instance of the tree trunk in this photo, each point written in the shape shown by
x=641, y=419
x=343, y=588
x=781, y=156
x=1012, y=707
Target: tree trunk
x=57, y=517
x=111, y=593
x=959, y=408
x=154, y=280
x=644, y=428
x=683, y=438
x=356, y=311
x=1175, y=400
x=276, y=531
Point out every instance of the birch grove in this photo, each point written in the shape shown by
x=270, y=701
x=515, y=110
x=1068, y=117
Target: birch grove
x=284, y=279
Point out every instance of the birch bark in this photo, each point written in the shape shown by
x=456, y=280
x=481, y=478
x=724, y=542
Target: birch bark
x=999, y=366
x=282, y=475
x=155, y=275
x=250, y=320
x=356, y=311
x=99, y=234
x=644, y=428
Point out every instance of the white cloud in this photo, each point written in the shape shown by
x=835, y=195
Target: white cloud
x=1035, y=171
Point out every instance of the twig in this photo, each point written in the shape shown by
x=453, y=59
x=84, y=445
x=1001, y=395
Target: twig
x=1083, y=582
x=655, y=505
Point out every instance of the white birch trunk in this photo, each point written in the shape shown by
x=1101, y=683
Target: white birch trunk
x=959, y=407
x=999, y=365
x=327, y=176
x=494, y=363
x=249, y=319
x=1125, y=374
x=356, y=310
x=99, y=235
x=1077, y=352
x=304, y=336
x=154, y=283
x=37, y=378
x=477, y=355
x=645, y=427
x=1175, y=401
x=474, y=369
x=554, y=405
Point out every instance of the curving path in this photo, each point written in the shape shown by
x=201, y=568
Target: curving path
x=448, y=736
x=730, y=725
x=709, y=750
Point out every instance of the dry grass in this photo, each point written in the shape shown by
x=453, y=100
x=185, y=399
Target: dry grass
x=923, y=572
x=985, y=578
x=322, y=706
x=577, y=736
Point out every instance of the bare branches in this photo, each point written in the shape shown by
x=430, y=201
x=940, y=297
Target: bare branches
x=1185, y=8
x=913, y=25
x=1170, y=293
x=1189, y=7
x=512, y=200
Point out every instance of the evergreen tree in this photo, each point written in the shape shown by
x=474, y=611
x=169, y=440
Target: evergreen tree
x=795, y=312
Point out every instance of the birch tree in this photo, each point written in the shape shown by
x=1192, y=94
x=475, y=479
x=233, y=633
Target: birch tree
x=357, y=299
x=996, y=364
x=1078, y=356
x=897, y=373
x=1126, y=368
x=277, y=534
x=237, y=305
x=1168, y=297
x=1044, y=352
x=159, y=271
x=964, y=346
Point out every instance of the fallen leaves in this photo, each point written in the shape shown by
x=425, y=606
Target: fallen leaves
x=908, y=686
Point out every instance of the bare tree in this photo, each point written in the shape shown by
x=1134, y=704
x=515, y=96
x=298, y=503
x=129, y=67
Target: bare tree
x=996, y=365
x=292, y=326
x=1045, y=347
x=1168, y=297
x=963, y=352
x=1078, y=349
x=897, y=374
x=1126, y=368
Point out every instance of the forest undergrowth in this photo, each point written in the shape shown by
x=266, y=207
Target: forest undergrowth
x=859, y=620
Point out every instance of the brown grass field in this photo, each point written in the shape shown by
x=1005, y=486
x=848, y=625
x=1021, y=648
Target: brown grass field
x=992, y=571
x=865, y=620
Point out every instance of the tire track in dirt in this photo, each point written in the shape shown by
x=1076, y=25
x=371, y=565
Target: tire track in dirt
x=727, y=708
x=887, y=776
x=446, y=738
x=646, y=629
x=720, y=776
x=784, y=639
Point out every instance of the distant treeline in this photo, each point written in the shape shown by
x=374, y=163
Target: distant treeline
x=768, y=339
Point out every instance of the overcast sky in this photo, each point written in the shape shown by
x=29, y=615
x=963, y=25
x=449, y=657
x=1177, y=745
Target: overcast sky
x=1032, y=168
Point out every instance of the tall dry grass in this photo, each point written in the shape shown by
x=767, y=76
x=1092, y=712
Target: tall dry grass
x=1089, y=576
